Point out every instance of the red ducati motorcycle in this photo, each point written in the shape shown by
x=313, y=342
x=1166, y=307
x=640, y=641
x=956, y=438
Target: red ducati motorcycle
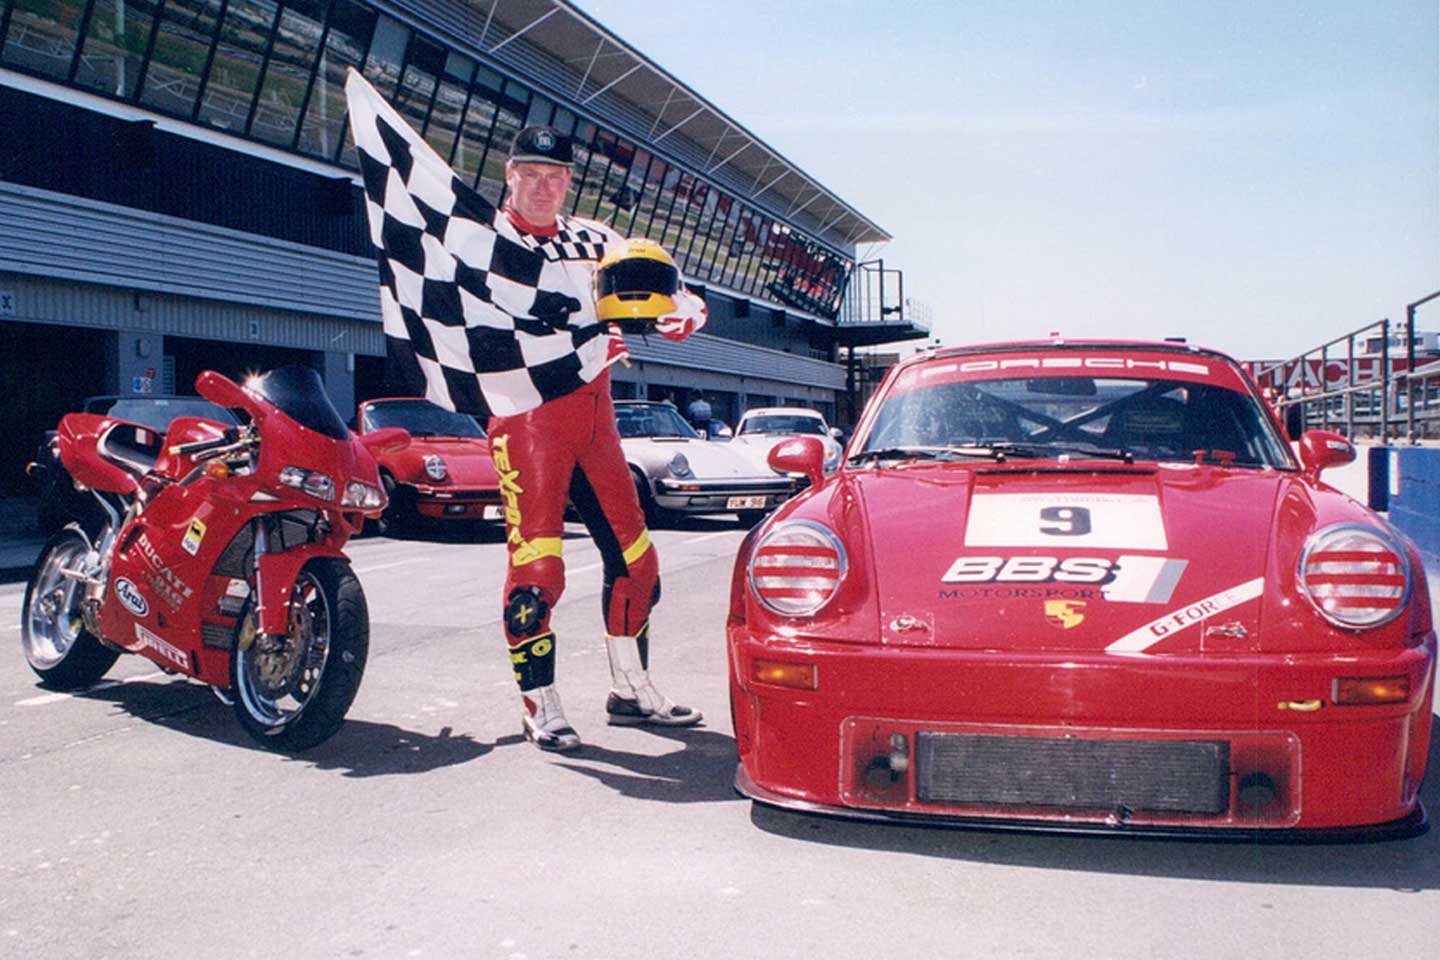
x=221, y=556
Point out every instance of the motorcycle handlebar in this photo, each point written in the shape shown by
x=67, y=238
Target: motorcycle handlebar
x=228, y=438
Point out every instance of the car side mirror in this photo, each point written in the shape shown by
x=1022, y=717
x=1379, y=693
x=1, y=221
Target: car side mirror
x=837, y=433
x=386, y=440
x=804, y=455
x=1323, y=449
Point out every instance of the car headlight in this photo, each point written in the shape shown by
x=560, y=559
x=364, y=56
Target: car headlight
x=680, y=466
x=797, y=568
x=318, y=485
x=1355, y=576
x=435, y=467
x=832, y=458
x=362, y=495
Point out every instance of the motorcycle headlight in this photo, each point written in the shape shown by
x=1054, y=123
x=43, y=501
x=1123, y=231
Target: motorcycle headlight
x=797, y=568
x=363, y=495
x=1355, y=576
x=680, y=466
x=435, y=467
x=317, y=485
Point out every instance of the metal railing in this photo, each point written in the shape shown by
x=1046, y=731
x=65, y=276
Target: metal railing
x=1363, y=393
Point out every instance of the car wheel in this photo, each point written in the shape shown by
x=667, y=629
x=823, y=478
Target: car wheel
x=655, y=515
x=396, y=516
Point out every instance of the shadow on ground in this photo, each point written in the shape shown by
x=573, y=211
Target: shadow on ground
x=361, y=748
x=701, y=771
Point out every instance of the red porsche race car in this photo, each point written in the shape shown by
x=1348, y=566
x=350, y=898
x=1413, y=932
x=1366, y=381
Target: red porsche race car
x=1082, y=586
x=444, y=474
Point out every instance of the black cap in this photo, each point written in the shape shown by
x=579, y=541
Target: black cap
x=542, y=145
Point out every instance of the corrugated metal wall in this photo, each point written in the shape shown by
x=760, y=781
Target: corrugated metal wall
x=59, y=235
x=152, y=273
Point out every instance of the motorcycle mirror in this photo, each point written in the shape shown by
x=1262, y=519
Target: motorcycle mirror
x=221, y=390
x=386, y=440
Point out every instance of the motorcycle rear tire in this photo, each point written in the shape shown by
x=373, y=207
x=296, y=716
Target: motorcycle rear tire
x=65, y=656
x=327, y=587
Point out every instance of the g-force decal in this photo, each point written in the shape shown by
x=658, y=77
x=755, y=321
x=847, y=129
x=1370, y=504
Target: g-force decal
x=1126, y=579
x=1138, y=641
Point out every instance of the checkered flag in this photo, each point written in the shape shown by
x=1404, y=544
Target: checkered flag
x=474, y=318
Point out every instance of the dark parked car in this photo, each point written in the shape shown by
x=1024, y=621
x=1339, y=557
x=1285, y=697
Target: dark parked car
x=59, y=501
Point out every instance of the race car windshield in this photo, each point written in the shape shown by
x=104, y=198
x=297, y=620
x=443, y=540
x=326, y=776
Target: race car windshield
x=422, y=419
x=652, y=420
x=299, y=394
x=779, y=423
x=1080, y=417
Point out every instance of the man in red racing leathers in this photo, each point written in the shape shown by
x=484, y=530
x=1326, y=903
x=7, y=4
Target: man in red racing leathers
x=569, y=448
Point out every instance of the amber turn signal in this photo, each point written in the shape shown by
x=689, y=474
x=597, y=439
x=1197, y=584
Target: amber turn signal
x=801, y=676
x=1361, y=691
x=217, y=470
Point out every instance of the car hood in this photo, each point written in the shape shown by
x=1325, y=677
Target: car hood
x=1124, y=560
x=764, y=441
x=707, y=458
x=467, y=461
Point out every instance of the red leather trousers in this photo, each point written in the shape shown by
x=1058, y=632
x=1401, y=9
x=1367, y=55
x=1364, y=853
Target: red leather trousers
x=568, y=449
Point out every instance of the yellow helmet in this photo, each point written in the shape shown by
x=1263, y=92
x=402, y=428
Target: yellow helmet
x=636, y=281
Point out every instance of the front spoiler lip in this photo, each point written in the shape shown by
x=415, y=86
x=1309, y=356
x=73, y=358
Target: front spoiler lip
x=1413, y=825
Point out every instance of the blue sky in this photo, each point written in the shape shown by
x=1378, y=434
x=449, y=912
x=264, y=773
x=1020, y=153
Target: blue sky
x=1255, y=176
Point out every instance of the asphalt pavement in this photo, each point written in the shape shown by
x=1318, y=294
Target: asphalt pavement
x=140, y=822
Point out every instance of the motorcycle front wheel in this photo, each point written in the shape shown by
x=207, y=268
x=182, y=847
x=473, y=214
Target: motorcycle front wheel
x=291, y=692
x=63, y=654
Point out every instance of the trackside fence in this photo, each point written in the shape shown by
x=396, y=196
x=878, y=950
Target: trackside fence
x=1347, y=385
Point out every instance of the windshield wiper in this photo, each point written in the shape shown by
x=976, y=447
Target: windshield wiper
x=1041, y=449
x=922, y=453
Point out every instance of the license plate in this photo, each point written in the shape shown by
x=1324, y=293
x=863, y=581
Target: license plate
x=493, y=513
x=746, y=503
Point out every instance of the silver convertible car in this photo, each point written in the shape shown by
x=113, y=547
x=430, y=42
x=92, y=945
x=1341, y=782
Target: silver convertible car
x=678, y=472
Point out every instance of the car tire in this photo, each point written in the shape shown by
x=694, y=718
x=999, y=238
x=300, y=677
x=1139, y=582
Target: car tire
x=655, y=515
x=396, y=517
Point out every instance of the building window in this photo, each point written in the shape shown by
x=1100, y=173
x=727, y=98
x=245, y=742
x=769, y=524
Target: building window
x=116, y=37
x=292, y=63
x=347, y=39
x=235, y=71
x=42, y=36
x=178, y=56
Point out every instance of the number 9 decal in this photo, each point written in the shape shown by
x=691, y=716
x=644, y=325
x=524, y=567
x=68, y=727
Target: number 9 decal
x=1071, y=521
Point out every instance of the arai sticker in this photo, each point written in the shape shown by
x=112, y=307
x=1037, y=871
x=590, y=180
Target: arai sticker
x=1118, y=520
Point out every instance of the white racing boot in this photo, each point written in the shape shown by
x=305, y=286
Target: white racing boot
x=544, y=720
x=633, y=698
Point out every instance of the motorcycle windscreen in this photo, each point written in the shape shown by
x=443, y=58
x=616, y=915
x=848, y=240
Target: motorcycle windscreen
x=299, y=394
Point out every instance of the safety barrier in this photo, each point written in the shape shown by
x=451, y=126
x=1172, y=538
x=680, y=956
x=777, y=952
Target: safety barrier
x=1406, y=482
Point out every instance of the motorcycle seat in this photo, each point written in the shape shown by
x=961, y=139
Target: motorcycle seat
x=130, y=447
